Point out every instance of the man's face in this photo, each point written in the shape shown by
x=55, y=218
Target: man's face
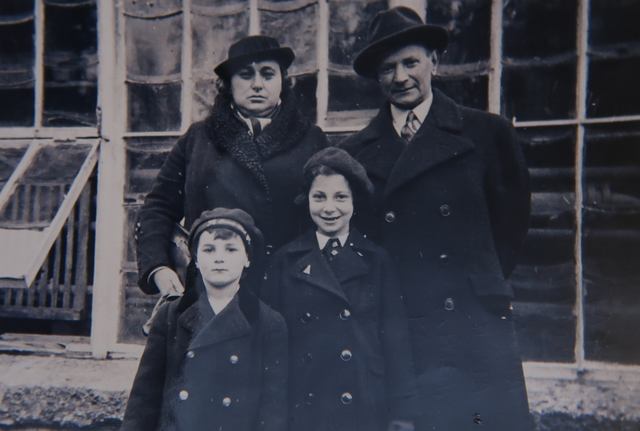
x=405, y=75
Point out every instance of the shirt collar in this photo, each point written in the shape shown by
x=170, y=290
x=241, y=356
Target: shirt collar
x=264, y=121
x=399, y=115
x=323, y=239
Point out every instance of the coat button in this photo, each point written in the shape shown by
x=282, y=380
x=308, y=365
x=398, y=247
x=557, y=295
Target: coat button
x=346, y=398
x=183, y=395
x=445, y=211
x=306, y=318
x=226, y=402
x=309, y=400
x=444, y=259
x=191, y=354
x=345, y=314
x=307, y=358
x=346, y=355
x=448, y=304
x=233, y=359
x=390, y=217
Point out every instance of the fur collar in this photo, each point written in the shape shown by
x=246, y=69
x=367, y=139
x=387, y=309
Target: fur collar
x=230, y=135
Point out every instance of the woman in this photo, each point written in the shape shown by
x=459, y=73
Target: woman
x=247, y=154
x=349, y=349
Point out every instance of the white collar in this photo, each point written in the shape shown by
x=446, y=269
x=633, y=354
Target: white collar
x=264, y=121
x=399, y=115
x=323, y=239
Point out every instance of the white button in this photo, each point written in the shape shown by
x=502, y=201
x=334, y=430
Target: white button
x=183, y=395
x=226, y=402
x=190, y=354
x=233, y=359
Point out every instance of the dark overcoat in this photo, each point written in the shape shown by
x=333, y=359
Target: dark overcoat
x=218, y=164
x=452, y=208
x=350, y=355
x=200, y=372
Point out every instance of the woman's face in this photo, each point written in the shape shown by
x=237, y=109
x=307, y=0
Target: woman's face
x=331, y=204
x=256, y=88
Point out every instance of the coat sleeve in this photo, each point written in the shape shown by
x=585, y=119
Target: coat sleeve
x=396, y=347
x=273, y=413
x=162, y=209
x=145, y=399
x=509, y=196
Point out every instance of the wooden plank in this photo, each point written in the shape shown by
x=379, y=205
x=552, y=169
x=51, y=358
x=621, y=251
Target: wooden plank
x=68, y=261
x=495, y=79
x=64, y=210
x=322, y=90
x=42, y=313
x=9, y=186
x=38, y=67
x=80, y=282
x=53, y=286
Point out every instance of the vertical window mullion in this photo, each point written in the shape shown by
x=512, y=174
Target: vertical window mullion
x=581, y=100
x=187, y=64
x=254, y=18
x=495, y=78
x=38, y=72
x=322, y=91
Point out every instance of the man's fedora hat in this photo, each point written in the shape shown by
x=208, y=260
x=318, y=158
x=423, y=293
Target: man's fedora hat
x=393, y=29
x=251, y=49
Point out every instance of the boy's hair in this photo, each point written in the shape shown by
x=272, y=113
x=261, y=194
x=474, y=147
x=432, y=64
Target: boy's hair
x=218, y=233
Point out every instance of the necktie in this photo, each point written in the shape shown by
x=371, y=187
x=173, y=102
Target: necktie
x=255, y=125
x=411, y=127
x=331, y=249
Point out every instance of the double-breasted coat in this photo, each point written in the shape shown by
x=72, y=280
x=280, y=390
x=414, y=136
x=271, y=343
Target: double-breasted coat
x=452, y=208
x=350, y=354
x=200, y=372
x=217, y=163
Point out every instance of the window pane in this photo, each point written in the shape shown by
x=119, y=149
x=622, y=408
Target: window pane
x=16, y=63
x=470, y=91
x=154, y=107
x=353, y=92
x=534, y=28
x=469, y=25
x=544, y=281
x=539, y=92
x=610, y=243
x=613, y=22
x=71, y=65
x=613, y=87
x=348, y=26
x=10, y=156
x=297, y=28
x=154, y=47
x=304, y=89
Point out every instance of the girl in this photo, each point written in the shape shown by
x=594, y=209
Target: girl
x=350, y=358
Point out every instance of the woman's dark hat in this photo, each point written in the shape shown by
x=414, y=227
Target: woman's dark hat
x=254, y=48
x=341, y=162
x=233, y=219
x=394, y=29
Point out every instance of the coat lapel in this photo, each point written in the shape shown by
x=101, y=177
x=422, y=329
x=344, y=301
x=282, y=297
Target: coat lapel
x=347, y=264
x=312, y=268
x=437, y=141
x=379, y=157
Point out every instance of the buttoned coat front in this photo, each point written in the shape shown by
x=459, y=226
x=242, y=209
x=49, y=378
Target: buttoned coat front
x=228, y=372
x=350, y=354
x=452, y=208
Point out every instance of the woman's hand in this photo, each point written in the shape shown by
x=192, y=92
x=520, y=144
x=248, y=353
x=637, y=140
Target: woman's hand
x=167, y=281
x=400, y=426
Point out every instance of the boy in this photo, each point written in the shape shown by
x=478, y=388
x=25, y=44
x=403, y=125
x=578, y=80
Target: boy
x=215, y=359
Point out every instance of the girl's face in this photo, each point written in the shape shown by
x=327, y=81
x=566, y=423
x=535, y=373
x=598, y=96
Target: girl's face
x=221, y=261
x=256, y=88
x=331, y=204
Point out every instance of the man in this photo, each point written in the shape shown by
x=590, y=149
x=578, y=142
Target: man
x=451, y=205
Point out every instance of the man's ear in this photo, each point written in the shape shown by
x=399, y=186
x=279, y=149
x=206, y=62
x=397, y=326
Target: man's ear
x=435, y=59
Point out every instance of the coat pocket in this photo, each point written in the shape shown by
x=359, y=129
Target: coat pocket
x=490, y=285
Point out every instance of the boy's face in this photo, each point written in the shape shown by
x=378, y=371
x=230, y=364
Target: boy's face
x=221, y=261
x=331, y=204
